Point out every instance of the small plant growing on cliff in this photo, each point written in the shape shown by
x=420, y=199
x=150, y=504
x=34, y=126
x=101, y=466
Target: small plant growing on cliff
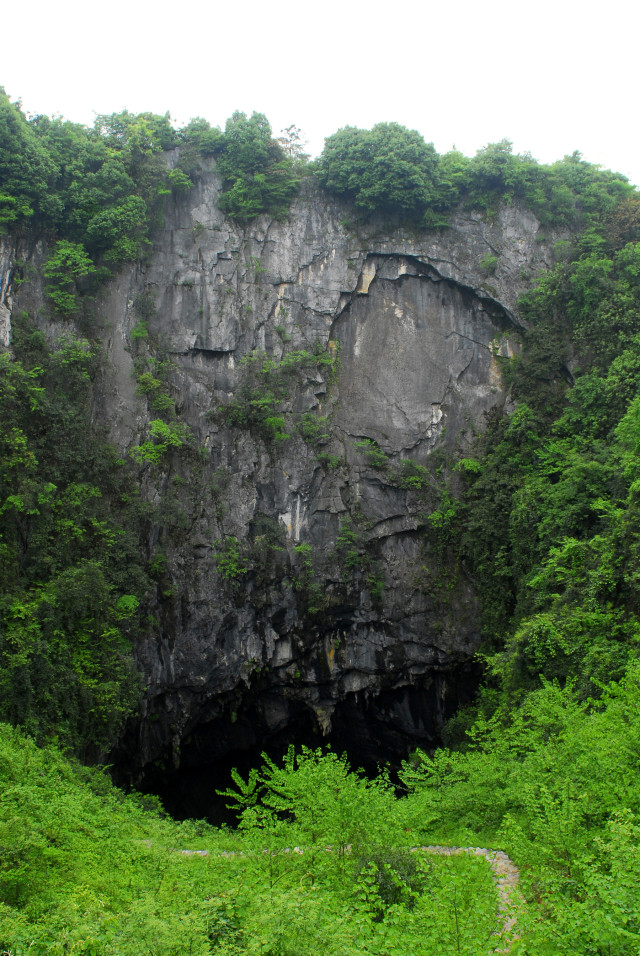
x=312, y=428
x=257, y=267
x=282, y=333
x=375, y=456
x=348, y=546
x=375, y=583
x=229, y=558
x=413, y=476
x=329, y=461
x=266, y=386
x=443, y=521
x=305, y=581
x=179, y=181
x=488, y=264
x=144, y=305
x=162, y=437
x=147, y=384
x=139, y=331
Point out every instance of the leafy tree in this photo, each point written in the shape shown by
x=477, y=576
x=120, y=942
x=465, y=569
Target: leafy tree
x=68, y=263
x=387, y=169
x=292, y=143
x=257, y=175
x=119, y=231
x=26, y=169
x=317, y=793
x=569, y=192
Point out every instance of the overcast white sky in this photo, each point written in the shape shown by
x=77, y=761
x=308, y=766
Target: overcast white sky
x=553, y=76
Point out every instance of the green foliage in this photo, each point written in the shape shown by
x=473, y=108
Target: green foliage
x=374, y=455
x=152, y=369
x=543, y=781
x=229, y=557
x=353, y=554
x=98, y=192
x=443, y=520
x=388, y=169
x=26, y=169
x=549, y=515
x=348, y=545
x=265, y=390
x=179, y=181
x=316, y=825
x=569, y=192
x=118, y=232
x=312, y=428
x=84, y=868
x=391, y=170
x=329, y=460
x=258, y=177
x=164, y=437
x=104, y=187
x=320, y=799
x=323, y=858
x=312, y=597
x=70, y=565
x=67, y=263
x=147, y=384
x=139, y=331
x=489, y=264
x=155, y=390
x=144, y=304
x=555, y=782
x=413, y=476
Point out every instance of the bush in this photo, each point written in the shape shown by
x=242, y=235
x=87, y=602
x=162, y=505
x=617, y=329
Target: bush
x=258, y=178
x=387, y=169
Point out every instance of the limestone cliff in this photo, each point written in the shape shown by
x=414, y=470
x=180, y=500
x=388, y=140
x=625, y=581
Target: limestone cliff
x=297, y=594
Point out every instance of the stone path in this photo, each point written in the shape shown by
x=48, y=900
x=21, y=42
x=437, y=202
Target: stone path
x=505, y=875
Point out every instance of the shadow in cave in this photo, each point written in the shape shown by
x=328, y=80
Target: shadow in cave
x=374, y=732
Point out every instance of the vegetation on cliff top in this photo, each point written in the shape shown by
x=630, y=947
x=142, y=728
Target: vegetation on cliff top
x=99, y=193
x=391, y=171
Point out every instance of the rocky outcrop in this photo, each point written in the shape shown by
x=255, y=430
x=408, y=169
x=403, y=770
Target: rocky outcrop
x=319, y=369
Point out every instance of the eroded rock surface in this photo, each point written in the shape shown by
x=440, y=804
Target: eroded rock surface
x=340, y=619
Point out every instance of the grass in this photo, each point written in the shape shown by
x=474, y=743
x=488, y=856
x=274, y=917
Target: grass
x=86, y=869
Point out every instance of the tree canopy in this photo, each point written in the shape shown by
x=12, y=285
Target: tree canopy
x=388, y=169
x=258, y=177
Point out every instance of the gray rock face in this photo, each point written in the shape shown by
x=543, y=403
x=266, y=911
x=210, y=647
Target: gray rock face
x=7, y=258
x=413, y=346
x=337, y=617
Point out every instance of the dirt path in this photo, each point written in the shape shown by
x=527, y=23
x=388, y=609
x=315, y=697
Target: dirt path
x=505, y=876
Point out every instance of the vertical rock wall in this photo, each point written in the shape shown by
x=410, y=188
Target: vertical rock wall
x=383, y=350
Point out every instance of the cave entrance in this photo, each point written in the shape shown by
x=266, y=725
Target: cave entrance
x=374, y=731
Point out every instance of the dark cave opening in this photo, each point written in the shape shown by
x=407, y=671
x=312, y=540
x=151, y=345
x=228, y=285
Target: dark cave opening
x=375, y=731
